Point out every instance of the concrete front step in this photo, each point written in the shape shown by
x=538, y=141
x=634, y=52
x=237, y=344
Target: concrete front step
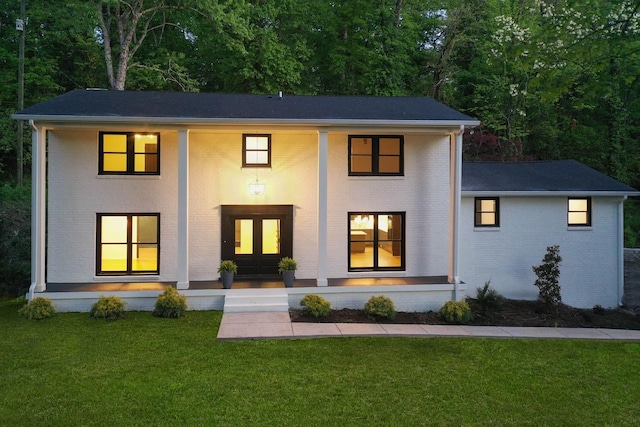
x=256, y=300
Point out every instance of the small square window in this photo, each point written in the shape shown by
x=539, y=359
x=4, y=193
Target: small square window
x=487, y=212
x=579, y=211
x=256, y=150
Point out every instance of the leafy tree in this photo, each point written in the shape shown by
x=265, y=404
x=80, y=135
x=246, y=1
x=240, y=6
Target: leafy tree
x=548, y=274
x=15, y=239
x=125, y=28
x=271, y=55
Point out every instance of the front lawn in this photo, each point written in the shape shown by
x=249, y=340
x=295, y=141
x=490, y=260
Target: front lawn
x=72, y=370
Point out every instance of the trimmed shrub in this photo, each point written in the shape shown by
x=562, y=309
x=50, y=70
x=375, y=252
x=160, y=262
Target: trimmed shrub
x=456, y=312
x=171, y=304
x=315, y=305
x=488, y=299
x=548, y=273
x=37, y=309
x=21, y=300
x=108, y=308
x=380, y=307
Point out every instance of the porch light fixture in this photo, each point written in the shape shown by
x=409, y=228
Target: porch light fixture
x=256, y=188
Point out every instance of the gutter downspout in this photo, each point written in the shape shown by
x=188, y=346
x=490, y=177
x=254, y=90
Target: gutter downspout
x=621, y=250
x=456, y=185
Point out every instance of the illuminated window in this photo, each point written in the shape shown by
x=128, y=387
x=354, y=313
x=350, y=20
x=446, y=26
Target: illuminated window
x=256, y=150
x=128, y=244
x=487, y=213
x=129, y=154
x=579, y=211
x=376, y=241
x=376, y=155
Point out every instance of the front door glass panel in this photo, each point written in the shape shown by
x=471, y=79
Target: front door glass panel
x=271, y=236
x=243, y=236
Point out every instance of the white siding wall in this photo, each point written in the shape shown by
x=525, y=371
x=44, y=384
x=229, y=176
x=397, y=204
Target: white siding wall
x=588, y=272
x=76, y=193
x=423, y=193
x=216, y=178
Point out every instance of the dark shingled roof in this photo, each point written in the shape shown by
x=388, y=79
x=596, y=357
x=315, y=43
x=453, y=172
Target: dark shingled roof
x=181, y=105
x=555, y=175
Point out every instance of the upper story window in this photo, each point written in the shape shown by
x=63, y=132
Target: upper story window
x=376, y=155
x=128, y=153
x=579, y=211
x=487, y=212
x=256, y=150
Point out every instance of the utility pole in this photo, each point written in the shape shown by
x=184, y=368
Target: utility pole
x=20, y=26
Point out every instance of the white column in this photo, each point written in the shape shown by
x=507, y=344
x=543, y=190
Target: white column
x=323, y=162
x=183, y=209
x=454, y=212
x=38, y=209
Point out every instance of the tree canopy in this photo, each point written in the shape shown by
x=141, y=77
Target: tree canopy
x=547, y=79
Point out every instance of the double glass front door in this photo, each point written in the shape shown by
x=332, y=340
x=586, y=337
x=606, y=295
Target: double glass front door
x=256, y=237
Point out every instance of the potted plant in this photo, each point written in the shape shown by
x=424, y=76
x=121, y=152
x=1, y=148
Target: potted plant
x=287, y=267
x=227, y=269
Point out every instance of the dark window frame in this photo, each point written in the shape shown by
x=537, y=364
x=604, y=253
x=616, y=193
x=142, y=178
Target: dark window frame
x=589, y=212
x=244, y=150
x=376, y=240
x=477, y=212
x=375, y=156
x=129, y=271
x=131, y=153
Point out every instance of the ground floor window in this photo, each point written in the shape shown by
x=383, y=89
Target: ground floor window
x=376, y=241
x=128, y=244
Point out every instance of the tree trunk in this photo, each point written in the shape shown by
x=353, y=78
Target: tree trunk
x=126, y=17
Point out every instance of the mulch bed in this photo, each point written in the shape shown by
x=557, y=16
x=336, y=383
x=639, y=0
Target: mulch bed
x=514, y=313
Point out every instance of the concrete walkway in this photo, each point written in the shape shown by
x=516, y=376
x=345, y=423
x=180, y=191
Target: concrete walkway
x=278, y=325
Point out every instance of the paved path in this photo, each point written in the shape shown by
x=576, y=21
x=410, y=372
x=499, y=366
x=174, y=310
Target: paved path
x=278, y=325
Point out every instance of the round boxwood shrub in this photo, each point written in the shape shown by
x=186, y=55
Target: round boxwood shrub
x=37, y=309
x=380, y=307
x=315, y=305
x=170, y=303
x=108, y=308
x=456, y=312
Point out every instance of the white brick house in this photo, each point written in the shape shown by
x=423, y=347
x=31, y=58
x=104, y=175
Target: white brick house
x=137, y=190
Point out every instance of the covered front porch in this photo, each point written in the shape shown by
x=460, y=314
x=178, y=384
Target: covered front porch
x=408, y=293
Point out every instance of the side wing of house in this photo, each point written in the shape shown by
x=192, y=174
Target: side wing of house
x=505, y=254
x=511, y=212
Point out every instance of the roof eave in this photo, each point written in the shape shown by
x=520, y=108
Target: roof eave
x=550, y=193
x=257, y=121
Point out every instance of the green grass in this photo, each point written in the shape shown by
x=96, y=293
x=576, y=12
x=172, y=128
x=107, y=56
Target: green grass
x=147, y=371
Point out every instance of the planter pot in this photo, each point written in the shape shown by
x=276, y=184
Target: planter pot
x=227, y=279
x=288, y=276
